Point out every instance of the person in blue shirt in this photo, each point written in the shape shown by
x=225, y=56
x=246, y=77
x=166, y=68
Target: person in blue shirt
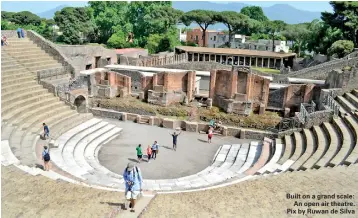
x=46, y=158
x=133, y=181
x=18, y=32
x=155, y=148
x=46, y=131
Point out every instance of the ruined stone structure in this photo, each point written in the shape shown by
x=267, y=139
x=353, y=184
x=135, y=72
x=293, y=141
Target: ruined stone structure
x=239, y=91
x=85, y=57
x=107, y=84
x=168, y=87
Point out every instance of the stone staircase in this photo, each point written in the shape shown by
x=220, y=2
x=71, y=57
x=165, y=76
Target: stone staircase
x=32, y=58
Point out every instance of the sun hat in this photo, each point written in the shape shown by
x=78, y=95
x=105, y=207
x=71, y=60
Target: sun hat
x=130, y=166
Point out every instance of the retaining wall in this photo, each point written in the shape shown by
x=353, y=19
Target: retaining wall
x=242, y=133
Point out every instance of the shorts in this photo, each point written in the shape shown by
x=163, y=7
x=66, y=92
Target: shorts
x=210, y=136
x=139, y=156
x=132, y=194
x=174, y=142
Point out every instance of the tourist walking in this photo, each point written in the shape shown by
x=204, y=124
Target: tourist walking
x=22, y=33
x=139, y=153
x=155, y=149
x=46, y=131
x=133, y=181
x=175, y=137
x=46, y=158
x=210, y=134
x=18, y=32
x=149, y=153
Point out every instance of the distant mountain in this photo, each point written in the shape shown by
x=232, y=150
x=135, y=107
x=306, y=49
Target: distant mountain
x=51, y=13
x=283, y=12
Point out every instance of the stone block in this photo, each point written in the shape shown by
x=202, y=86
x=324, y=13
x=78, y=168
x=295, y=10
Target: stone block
x=225, y=131
x=262, y=109
x=141, y=95
x=137, y=118
x=168, y=123
x=242, y=134
x=240, y=97
x=191, y=126
x=124, y=116
x=151, y=121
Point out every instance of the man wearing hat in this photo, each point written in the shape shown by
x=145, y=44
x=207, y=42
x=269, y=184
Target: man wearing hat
x=133, y=181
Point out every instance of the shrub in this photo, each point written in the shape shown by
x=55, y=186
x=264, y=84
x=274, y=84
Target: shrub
x=341, y=48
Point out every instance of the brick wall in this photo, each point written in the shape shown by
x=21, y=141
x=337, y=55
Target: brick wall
x=241, y=87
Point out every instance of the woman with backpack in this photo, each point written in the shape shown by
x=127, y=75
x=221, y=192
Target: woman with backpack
x=46, y=158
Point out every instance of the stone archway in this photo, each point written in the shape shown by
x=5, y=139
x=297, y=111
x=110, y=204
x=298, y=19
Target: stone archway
x=80, y=103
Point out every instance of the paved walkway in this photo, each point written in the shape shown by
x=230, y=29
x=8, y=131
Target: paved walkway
x=193, y=153
x=267, y=197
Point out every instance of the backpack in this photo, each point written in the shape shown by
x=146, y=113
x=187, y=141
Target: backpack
x=47, y=156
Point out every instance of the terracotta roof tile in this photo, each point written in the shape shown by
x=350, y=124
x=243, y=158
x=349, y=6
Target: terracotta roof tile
x=231, y=51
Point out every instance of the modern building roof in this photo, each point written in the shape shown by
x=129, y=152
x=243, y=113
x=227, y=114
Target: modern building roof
x=229, y=51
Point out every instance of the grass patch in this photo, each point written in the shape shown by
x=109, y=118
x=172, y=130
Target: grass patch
x=266, y=70
x=180, y=112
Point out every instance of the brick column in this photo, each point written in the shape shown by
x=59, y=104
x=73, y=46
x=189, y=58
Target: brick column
x=233, y=83
x=166, y=81
x=112, y=78
x=212, y=83
x=155, y=80
x=128, y=82
x=191, y=85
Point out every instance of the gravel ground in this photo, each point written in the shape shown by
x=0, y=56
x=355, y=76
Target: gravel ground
x=23, y=195
x=265, y=197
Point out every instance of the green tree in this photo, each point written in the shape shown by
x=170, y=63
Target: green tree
x=162, y=42
x=107, y=16
x=203, y=18
x=151, y=18
x=345, y=18
x=297, y=33
x=75, y=24
x=321, y=36
x=273, y=28
x=254, y=12
x=26, y=18
x=5, y=15
x=233, y=21
x=341, y=48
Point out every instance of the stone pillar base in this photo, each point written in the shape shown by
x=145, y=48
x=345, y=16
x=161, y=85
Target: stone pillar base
x=209, y=103
x=138, y=118
x=151, y=121
x=262, y=109
x=141, y=95
x=242, y=134
x=225, y=132
x=286, y=113
x=124, y=116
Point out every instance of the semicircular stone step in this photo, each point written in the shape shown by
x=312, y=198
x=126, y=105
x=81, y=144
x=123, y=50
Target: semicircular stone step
x=322, y=146
x=347, y=142
x=334, y=145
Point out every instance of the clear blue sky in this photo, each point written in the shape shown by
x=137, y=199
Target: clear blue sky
x=42, y=6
